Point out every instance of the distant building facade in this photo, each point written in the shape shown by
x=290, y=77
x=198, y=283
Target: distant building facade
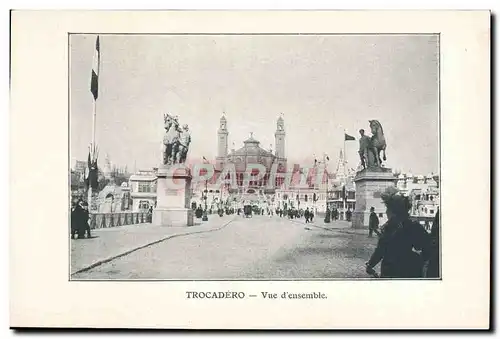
x=423, y=192
x=254, y=192
x=143, y=190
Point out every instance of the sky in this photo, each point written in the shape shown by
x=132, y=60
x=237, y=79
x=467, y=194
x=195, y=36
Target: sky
x=323, y=85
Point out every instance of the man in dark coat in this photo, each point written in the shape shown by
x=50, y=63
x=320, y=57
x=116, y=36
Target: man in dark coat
x=433, y=267
x=74, y=218
x=327, y=216
x=348, y=214
x=400, y=242
x=85, y=219
x=198, y=212
x=79, y=221
x=306, y=215
x=373, y=223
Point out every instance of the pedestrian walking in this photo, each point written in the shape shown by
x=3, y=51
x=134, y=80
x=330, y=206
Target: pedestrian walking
x=400, y=242
x=335, y=214
x=198, y=212
x=373, y=223
x=348, y=214
x=327, y=216
x=306, y=215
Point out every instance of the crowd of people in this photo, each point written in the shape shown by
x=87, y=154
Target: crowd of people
x=198, y=211
x=296, y=213
x=334, y=215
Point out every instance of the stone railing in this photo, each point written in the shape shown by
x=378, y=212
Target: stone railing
x=106, y=220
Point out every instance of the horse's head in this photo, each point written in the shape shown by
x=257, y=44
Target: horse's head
x=167, y=121
x=375, y=127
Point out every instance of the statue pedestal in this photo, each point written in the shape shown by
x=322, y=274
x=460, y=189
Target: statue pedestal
x=173, y=194
x=370, y=183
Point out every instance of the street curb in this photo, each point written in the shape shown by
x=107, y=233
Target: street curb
x=104, y=261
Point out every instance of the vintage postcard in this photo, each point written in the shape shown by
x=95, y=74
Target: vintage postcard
x=199, y=165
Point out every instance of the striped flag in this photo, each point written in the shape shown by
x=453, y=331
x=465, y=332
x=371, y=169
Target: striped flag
x=94, y=81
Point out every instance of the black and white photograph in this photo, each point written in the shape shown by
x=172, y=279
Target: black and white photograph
x=254, y=156
x=240, y=169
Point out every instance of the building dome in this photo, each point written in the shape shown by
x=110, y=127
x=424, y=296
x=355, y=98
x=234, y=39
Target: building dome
x=401, y=176
x=420, y=177
x=251, y=141
x=429, y=176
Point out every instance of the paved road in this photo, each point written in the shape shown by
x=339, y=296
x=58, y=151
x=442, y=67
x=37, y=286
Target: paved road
x=110, y=242
x=256, y=248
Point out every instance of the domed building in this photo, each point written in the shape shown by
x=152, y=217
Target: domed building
x=252, y=153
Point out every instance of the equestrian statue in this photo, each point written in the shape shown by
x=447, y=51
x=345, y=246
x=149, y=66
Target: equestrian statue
x=176, y=141
x=370, y=147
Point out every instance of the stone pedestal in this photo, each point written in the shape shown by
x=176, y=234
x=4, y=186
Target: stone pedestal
x=370, y=184
x=173, y=194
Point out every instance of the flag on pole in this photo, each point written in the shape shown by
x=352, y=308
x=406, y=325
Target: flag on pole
x=348, y=137
x=91, y=172
x=94, y=81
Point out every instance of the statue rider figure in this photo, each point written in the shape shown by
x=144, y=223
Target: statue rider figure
x=184, y=142
x=364, y=146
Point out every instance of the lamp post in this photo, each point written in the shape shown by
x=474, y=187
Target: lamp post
x=205, y=216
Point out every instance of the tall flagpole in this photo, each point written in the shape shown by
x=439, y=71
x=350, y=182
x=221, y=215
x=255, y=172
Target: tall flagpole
x=345, y=178
x=92, y=152
x=94, y=88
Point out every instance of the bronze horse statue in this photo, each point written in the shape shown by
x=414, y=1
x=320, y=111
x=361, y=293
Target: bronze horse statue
x=170, y=139
x=378, y=143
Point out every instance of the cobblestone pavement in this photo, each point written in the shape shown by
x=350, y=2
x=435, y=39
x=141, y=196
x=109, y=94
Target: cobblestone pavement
x=107, y=243
x=256, y=248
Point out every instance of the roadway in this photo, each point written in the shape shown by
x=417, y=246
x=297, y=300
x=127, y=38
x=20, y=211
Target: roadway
x=262, y=247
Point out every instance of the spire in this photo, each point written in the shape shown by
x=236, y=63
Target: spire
x=223, y=123
x=222, y=137
x=341, y=166
x=280, y=124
